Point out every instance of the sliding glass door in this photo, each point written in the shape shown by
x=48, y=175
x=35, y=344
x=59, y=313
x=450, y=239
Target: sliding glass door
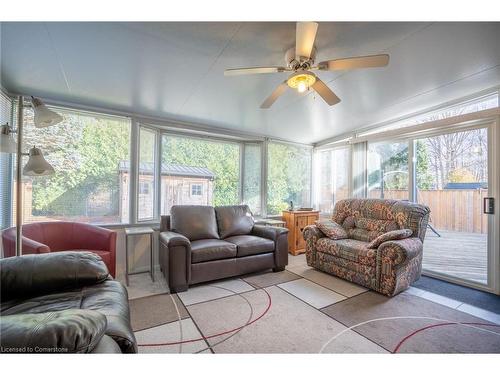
x=452, y=179
x=333, y=177
x=387, y=170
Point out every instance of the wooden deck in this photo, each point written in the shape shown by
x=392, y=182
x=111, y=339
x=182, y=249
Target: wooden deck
x=457, y=254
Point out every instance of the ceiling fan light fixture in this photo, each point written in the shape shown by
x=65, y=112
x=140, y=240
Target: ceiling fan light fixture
x=301, y=80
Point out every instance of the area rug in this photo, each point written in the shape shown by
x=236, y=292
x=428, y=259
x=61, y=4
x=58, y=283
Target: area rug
x=428, y=326
x=478, y=298
x=152, y=311
x=279, y=313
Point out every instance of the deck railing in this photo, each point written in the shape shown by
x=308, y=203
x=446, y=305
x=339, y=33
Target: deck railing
x=453, y=210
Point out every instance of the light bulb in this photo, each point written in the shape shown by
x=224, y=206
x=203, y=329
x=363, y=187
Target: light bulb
x=301, y=87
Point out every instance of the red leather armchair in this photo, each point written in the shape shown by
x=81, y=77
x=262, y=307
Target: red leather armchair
x=56, y=236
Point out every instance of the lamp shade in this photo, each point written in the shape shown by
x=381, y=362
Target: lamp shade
x=44, y=117
x=7, y=142
x=37, y=165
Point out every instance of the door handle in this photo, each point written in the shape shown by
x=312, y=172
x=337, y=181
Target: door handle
x=489, y=205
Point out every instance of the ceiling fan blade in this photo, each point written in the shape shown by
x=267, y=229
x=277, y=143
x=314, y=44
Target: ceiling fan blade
x=325, y=92
x=275, y=95
x=374, y=61
x=255, y=70
x=305, y=34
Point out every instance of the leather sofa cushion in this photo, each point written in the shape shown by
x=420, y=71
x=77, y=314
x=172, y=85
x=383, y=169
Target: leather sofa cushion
x=34, y=274
x=68, y=331
x=251, y=245
x=207, y=250
x=348, y=249
x=234, y=220
x=106, y=346
x=108, y=298
x=103, y=254
x=194, y=222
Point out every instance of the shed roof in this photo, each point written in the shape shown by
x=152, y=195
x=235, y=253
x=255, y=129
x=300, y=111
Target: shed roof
x=466, y=185
x=170, y=170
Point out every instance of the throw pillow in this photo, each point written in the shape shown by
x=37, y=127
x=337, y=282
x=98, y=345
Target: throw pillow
x=392, y=235
x=331, y=229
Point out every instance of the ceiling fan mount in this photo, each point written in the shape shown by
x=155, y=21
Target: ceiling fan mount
x=295, y=62
x=300, y=63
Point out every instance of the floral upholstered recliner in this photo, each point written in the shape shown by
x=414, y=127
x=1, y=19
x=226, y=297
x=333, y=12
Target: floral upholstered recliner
x=387, y=267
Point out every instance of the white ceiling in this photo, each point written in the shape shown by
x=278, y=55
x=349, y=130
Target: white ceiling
x=175, y=70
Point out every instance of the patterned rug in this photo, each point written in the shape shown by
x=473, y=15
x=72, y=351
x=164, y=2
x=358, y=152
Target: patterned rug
x=302, y=310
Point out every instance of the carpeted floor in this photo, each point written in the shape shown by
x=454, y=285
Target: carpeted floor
x=302, y=310
x=483, y=300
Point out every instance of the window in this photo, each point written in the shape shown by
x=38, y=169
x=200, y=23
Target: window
x=146, y=175
x=187, y=161
x=6, y=162
x=252, y=166
x=289, y=177
x=387, y=164
x=469, y=106
x=196, y=189
x=333, y=177
x=88, y=152
x=144, y=188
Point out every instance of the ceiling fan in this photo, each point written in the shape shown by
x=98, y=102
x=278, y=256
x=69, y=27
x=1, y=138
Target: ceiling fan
x=300, y=62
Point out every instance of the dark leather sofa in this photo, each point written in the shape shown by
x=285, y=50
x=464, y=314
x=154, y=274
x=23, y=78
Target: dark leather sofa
x=203, y=243
x=63, y=302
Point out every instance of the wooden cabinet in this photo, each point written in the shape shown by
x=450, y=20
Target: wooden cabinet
x=296, y=221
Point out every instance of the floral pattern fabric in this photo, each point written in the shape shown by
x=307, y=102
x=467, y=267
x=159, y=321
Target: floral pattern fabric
x=349, y=249
x=390, y=267
x=331, y=229
x=399, y=234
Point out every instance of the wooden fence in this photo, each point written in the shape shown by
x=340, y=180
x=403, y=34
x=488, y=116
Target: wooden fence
x=454, y=210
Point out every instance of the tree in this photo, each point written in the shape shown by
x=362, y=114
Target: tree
x=221, y=158
x=458, y=151
x=85, y=151
x=288, y=178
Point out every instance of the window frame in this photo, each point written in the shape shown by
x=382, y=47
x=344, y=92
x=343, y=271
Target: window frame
x=310, y=150
x=196, y=185
x=214, y=139
x=8, y=210
x=77, y=110
x=316, y=172
x=156, y=184
x=184, y=129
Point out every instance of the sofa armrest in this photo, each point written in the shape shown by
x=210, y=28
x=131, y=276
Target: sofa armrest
x=33, y=247
x=271, y=233
x=66, y=331
x=312, y=233
x=175, y=260
x=172, y=239
x=280, y=238
x=32, y=275
x=94, y=237
x=399, y=252
x=29, y=246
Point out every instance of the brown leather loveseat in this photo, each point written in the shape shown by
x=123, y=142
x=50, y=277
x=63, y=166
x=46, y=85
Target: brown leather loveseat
x=203, y=243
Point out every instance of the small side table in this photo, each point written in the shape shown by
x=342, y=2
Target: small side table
x=137, y=232
x=270, y=222
x=296, y=221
